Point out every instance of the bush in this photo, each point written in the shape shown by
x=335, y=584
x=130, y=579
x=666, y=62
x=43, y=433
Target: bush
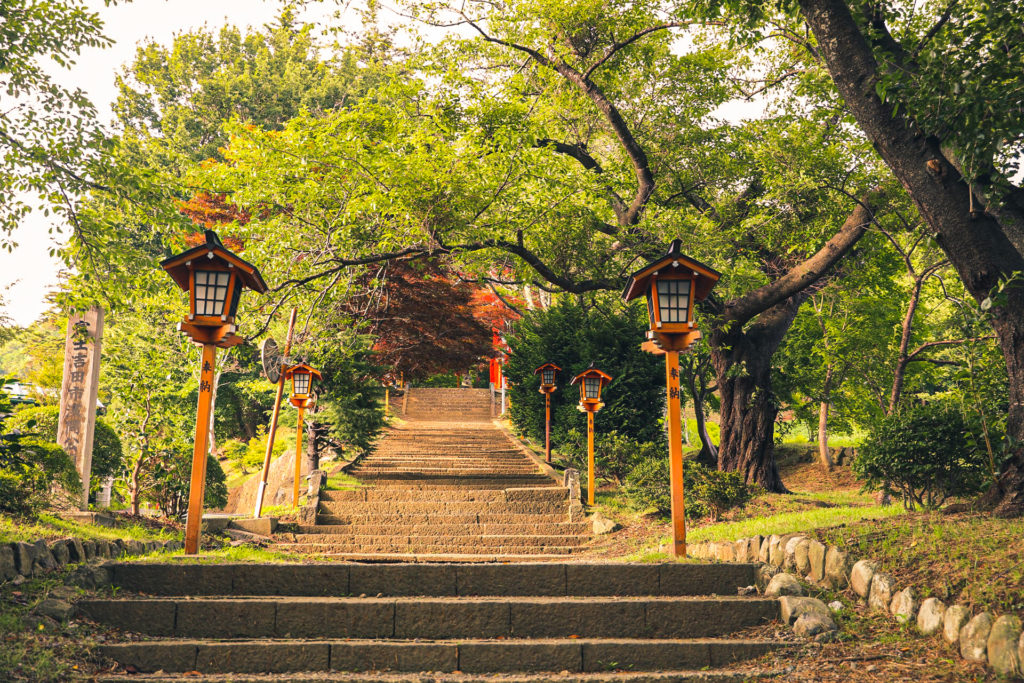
x=708, y=492
x=615, y=455
x=107, y=456
x=573, y=336
x=30, y=467
x=924, y=454
x=168, y=486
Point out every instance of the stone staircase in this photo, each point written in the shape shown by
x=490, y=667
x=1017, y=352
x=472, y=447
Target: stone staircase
x=415, y=621
x=446, y=484
x=449, y=405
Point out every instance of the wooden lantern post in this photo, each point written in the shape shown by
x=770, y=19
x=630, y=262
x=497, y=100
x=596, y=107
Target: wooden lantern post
x=214, y=279
x=301, y=376
x=672, y=284
x=592, y=382
x=274, y=416
x=548, y=372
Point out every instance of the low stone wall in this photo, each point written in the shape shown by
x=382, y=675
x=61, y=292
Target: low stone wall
x=983, y=638
x=21, y=559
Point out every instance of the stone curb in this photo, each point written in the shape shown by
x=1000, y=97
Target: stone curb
x=983, y=638
x=24, y=560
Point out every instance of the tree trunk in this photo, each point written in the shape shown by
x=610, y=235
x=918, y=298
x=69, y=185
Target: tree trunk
x=312, y=445
x=975, y=243
x=742, y=362
x=708, y=453
x=903, y=359
x=823, y=454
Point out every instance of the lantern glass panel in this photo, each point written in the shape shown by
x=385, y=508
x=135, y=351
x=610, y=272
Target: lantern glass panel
x=547, y=377
x=592, y=388
x=235, y=296
x=211, y=291
x=300, y=383
x=674, y=300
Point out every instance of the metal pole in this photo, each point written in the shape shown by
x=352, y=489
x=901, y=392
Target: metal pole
x=547, y=426
x=298, y=458
x=198, y=483
x=258, y=510
x=675, y=455
x=590, y=457
x=503, y=394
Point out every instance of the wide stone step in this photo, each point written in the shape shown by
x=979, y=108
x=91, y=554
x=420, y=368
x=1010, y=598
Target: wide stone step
x=370, y=551
x=432, y=618
x=510, y=480
x=403, y=579
x=399, y=527
x=324, y=521
x=427, y=493
x=336, y=507
x=379, y=535
x=715, y=676
x=470, y=656
x=472, y=542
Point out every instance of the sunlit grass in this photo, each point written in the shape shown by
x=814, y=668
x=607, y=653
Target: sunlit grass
x=790, y=522
x=48, y=527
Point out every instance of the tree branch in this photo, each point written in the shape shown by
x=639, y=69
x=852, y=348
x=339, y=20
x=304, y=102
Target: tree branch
x=806, y=273
x=945, y=342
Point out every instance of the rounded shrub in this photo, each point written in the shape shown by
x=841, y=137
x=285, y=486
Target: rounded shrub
x=924, y=454
x=708, y=492
x=107, y=456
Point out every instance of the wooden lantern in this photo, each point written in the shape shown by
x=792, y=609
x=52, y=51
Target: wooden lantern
x=672, y=285
x=548, y=374
x=592, y=382
x=214, y=278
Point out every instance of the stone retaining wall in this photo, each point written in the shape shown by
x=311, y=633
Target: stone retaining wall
x=983, y=638
x=21, y=559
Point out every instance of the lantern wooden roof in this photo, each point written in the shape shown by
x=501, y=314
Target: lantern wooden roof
x=673, y=260
x=178, y=266
x=591, y=372
x=547, y=366
x=303, y=367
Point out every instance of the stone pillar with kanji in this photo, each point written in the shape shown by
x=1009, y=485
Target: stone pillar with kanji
x=79, y=391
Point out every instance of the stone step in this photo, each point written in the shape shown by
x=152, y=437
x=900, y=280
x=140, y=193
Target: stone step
x=471, y=542
x=432, y=618
x=379, y=535
x=338, y=507
x=431, y=494
x=510, y=480
x=717, y=676
x=371, y=552
x=581, y=579
x=397, y=526
x=324, y=521
x=469, y=656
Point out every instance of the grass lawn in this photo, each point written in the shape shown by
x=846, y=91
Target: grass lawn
x=967, y=558
x=50, y=527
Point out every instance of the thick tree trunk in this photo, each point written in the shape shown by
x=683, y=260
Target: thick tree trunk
x=975, y=243
x=748, y=419
x=742, y=361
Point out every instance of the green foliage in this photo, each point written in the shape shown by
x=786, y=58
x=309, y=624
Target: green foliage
x=923, y=454
x=615, y=455
x=572, y=336
x=256, y=449
x=107, y=456
x=350, y=398
x=30, y=466
x=708, y=492
x=168, y=485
